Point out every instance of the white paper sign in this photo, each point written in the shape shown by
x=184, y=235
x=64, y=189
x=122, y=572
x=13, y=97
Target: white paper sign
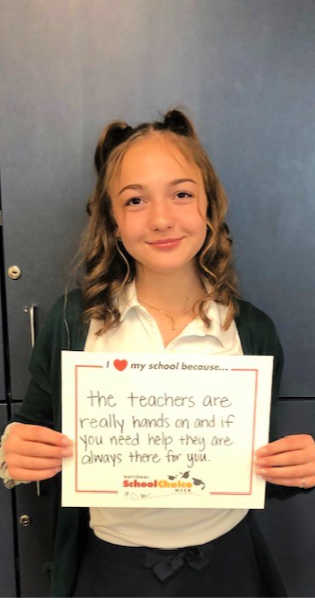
x=164, y=430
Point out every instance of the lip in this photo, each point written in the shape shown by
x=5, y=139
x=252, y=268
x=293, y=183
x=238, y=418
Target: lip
x=166, y=243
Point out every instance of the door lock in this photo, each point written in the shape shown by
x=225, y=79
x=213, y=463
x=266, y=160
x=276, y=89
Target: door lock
x=25, y=520
x=14, y=272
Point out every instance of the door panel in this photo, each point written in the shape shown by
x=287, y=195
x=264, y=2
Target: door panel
x=2, y=380
x=238, y=68
x=7, y=567
x=46, y=245
x=288, y=525
x=35, y=525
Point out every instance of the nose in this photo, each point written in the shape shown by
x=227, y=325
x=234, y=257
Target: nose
x=161, y=216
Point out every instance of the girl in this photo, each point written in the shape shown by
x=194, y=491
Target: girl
x=157, y=273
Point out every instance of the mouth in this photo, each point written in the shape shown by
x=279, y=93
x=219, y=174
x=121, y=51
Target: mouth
x=165, y=243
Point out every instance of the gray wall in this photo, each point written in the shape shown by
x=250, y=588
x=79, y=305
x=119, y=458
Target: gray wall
x=244, y=71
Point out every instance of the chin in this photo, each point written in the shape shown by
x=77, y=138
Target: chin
x=170, y=268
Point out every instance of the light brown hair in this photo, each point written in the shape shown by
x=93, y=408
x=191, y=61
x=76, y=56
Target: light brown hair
x=106, y=266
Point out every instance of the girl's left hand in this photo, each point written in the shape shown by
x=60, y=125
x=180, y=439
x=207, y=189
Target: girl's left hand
x=289, y=461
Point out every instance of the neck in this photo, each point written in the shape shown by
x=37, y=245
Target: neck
x=172, y=292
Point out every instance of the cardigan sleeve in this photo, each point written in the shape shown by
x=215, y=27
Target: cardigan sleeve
x=37, y=407
x=9, y=483
x=258, y=336
x=63, y=330
x=42, y=403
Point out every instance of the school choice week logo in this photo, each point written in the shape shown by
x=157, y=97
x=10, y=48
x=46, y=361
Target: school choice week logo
x=178, y=482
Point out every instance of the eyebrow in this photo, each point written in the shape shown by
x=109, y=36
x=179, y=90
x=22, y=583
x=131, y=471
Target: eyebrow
x=138, y=186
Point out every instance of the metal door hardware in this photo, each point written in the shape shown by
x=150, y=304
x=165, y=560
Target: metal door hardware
x=25, y=520
x=31, y=311
x=14, y=272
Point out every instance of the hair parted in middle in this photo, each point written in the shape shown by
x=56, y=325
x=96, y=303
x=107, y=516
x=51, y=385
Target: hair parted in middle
x=105, y=263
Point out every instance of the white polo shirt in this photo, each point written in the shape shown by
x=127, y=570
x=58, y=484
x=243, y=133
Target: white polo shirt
x=163, y=527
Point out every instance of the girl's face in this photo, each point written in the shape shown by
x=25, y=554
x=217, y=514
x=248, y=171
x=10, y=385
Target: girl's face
x=159, y=204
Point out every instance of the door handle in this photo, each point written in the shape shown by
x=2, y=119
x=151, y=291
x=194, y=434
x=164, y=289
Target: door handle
x=31, y=311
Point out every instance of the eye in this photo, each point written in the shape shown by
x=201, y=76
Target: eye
x=184, y=196
x=134, y=202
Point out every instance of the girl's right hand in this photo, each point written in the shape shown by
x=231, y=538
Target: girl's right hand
x=34, y=453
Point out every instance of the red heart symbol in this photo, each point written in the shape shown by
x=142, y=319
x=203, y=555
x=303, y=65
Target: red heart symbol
x=120, y=365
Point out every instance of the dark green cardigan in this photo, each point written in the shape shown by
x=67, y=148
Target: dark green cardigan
x=64, y=330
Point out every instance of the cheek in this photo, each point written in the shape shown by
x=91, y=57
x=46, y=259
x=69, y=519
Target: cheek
x=199, y=229
x=130, y=230
x=202, y=234
x=199, y=214
x=196, y=222
x=122, y=222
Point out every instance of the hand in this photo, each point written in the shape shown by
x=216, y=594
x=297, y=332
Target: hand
x=34, y=453
x=289, y=461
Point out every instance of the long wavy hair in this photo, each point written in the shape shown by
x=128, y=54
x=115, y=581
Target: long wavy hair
x=104, y=264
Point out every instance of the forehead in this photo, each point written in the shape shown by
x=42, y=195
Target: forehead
x=154, y=157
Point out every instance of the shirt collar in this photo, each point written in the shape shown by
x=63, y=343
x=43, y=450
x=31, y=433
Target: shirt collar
x=128, y=301
x=216, y=313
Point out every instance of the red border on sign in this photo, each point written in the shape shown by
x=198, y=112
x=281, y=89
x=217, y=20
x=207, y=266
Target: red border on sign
x=250, y=490
x=76, y=374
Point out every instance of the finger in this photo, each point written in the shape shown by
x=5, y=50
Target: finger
x=37, y=433
x=289, y=442
x=304, y=483
x=296, y=472
x=25, y=448
x=282, y=459
x=32, y=475
x=33, y=463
